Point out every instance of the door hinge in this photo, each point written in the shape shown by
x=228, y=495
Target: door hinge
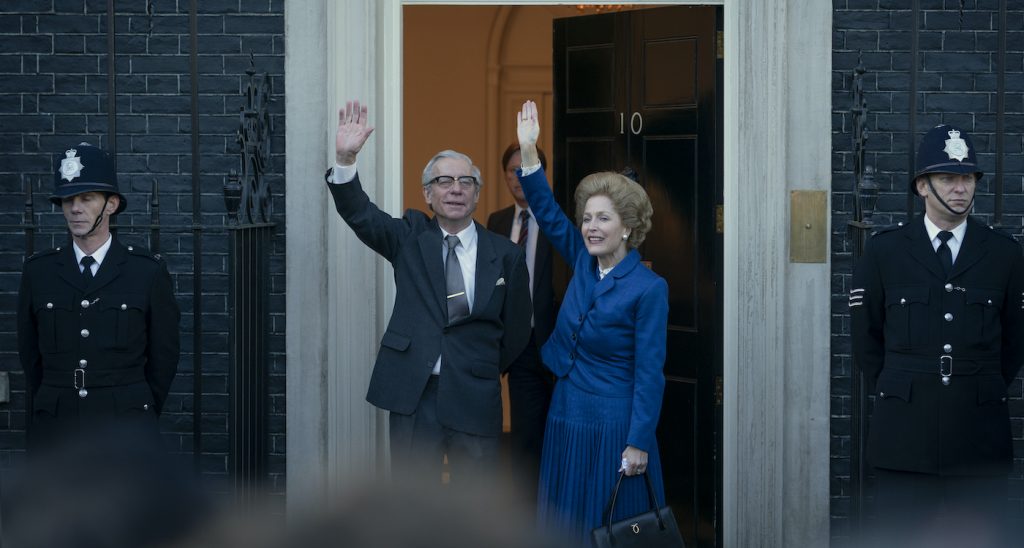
x=719, y=219
x=718, y=391
x=719, y=38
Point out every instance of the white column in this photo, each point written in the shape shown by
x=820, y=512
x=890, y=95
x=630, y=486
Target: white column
x=306, y=253
x=776, y=362
x=808, y=286
x=339, y=292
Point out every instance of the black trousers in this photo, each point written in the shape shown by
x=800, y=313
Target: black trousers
x=913, y=509
x=420, y=443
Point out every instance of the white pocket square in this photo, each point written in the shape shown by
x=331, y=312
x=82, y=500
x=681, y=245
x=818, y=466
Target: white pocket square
x=501, y=281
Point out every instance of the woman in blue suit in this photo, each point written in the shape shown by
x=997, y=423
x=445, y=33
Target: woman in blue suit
x=607, y=349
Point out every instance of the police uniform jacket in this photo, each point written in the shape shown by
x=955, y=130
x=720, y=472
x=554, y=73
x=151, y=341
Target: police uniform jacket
x=939, y=351
x=113, y=340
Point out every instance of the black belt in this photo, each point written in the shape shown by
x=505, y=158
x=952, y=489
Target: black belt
x=944, y=365
x=93, y=378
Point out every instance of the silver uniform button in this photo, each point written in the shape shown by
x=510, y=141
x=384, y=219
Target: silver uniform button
x=145, y=406
x=949, y=288
x=947, y=348
x=948, y=317
x=83, y=393
x=49, y=305
x=130, y=248
x=903, y=301
x=990, y=301
x=83, y=363
x=85, y=303
x=881, y=394
x=85, y=333
x=124, y=306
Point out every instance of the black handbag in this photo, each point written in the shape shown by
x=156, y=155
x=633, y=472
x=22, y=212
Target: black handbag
x=655, y=528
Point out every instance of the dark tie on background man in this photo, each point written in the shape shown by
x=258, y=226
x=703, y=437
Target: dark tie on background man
x=458, y=303
x=945, y=255
x=87, y=263
x=524, y=227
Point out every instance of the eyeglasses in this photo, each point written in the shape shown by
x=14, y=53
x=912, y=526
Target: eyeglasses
x=446, y=181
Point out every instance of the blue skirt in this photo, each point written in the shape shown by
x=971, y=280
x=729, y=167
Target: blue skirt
x=583, y=443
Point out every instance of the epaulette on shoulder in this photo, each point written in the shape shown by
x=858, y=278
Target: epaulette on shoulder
x=139, y=251
x=43, y=253
x=886, y=228
x=1002, y=232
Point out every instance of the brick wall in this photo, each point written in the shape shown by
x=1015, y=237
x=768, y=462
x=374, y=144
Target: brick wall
x=956, y=85
x=53, y=92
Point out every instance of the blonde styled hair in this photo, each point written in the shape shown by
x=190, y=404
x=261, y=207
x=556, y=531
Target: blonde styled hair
x=628, y=198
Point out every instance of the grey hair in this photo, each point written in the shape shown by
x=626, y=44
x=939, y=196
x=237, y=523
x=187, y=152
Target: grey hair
x=428, y=172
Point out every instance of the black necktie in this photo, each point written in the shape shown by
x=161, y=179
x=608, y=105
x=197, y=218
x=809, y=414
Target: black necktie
x=458, y=304
x=87, y=262
x=945, y=255
x=524, y=227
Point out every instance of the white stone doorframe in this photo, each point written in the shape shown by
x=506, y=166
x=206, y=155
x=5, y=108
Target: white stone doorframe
x=776, y=313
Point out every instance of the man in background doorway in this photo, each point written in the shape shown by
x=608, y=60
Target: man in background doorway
x=529, y=382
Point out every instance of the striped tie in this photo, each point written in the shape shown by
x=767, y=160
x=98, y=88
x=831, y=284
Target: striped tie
x=524, y=227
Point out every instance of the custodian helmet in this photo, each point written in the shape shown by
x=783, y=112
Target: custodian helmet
x=84, y=168
x=945, y=149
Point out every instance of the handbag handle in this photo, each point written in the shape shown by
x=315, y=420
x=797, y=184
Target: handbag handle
x=606, y=519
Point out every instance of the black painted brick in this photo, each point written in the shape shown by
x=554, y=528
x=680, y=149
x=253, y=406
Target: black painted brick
x=249, y=24
x=956, y=64
x=67, y=24
x=56, y=63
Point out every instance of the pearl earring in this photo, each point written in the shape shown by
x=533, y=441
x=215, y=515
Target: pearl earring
x=625, y=237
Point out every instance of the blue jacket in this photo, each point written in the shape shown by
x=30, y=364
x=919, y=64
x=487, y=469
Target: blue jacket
x=609, y=338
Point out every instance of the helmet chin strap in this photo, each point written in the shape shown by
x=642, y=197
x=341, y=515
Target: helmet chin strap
x=99, y=218
x=943, y=202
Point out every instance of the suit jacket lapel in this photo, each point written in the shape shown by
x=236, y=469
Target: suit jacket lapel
x=922, y=251
x=433, y=265
x=503, y=221
x=68, y=268
x=972, y=249
x=487, y=269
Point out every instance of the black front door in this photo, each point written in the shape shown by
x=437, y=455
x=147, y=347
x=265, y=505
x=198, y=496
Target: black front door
x=641, y=89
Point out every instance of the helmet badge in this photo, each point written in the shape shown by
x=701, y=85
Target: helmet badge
x=956, y=147
x=71, y=166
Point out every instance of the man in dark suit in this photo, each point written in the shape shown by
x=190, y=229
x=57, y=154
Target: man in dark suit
x=529, y=382
x=938, y=330
x=462, y=311
x=97, y=321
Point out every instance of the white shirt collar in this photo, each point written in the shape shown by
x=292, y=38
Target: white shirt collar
x=99, y=254
x=467, y=236
x=520, y=209
x=933, y=230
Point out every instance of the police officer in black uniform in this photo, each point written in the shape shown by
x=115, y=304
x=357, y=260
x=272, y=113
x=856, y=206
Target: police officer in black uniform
x=937, y=311
x=97, y=320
